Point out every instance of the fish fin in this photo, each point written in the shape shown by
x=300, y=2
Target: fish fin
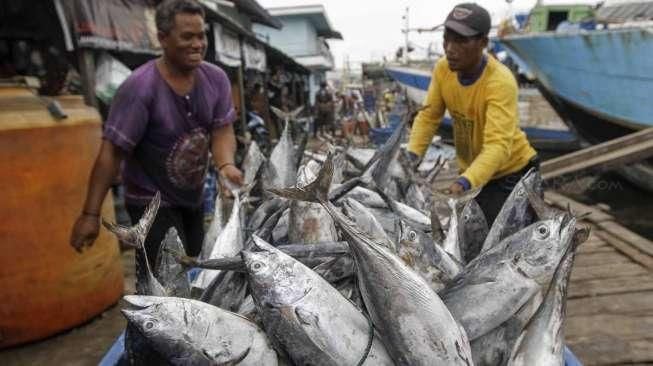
x=181, y=258
x=147, y=220
x=135, y=235
x=123, y=233
x=581, y=234
x=316, y=191
x=279, y=113
x=261, y=244
x=295, y=112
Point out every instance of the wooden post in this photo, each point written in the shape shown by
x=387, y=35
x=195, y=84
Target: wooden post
x=243, y=113
x=241, y=85
x=87, y=73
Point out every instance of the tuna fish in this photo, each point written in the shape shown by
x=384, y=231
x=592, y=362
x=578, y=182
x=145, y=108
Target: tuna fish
x=414, y=323
x=515, y=213
x=228, y=244
x=135, y=236
x=190, y=332
x=169, y=271
x=253, y=161
x=308, y=222
x=310, y=319
x=518, y=268
x=281, y=168
x=215, y=227
x=542, y=342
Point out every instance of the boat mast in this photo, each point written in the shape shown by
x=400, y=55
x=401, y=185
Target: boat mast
x=405, y=30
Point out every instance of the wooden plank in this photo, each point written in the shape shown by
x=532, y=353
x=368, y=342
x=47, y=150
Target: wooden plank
x=604, y=349
x=595, y=259
x=634, y=303
x=609, y=270
x=626, y=149
x=642, y=244
x=600, y=249
x=623, y=326
x=598, y=149
x=561, y=201
x=632, y=252
x=594, y=242
x=607, y=286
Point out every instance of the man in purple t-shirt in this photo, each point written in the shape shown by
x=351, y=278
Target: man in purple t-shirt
x=163, y=121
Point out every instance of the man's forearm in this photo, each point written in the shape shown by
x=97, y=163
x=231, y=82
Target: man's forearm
x=223, y=145
x=104, y=171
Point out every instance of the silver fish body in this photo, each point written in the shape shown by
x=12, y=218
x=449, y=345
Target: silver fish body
x=496, y=284
x=308, y=222
x=253, y=161
x=472, y=230
x=170, y=273
x=366, y=221
x=515, y=213
x=542, y=342
x=494, y=347
x=228, y=244
x=190, y=332
x=311, y=320
x=415, y=325
x=215, y=227
x=264, y=211
x=281, y=168
x=418, y=251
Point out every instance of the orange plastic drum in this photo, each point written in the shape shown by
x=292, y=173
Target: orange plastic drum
x=45, y=286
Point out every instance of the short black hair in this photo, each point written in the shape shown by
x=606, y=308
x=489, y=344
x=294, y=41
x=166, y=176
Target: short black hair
x=166, y=11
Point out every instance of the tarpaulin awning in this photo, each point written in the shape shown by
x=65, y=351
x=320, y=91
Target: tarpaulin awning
x=227, y=46
x=115, y=25
x=254, y=54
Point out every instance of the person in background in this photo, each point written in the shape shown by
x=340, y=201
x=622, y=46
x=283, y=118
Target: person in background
x=163, y=121
x=481, y=96
x=325, y=109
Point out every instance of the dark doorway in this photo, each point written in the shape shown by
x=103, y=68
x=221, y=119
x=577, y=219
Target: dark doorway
x=555, y=18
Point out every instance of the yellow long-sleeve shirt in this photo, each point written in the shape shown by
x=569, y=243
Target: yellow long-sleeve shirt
x=489, y=143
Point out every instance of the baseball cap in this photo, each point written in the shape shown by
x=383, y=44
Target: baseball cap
x=468, y=19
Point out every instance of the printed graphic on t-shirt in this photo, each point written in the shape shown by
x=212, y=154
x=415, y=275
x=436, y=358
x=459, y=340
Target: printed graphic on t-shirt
x=463, y=130
x=187, y=163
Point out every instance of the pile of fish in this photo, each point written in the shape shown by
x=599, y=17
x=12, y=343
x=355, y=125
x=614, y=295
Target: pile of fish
x=356, y=261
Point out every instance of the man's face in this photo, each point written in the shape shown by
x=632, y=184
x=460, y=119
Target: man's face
x=463, y=53
x=185, y=44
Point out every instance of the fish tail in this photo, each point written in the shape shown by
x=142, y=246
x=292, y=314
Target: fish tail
x=135, y=235
x=316, y=191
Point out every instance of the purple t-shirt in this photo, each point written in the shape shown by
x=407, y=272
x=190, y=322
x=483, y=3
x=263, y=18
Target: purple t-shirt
x=167, y=136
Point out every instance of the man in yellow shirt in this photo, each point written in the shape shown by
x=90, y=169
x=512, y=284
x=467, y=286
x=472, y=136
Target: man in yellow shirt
x=481, y=96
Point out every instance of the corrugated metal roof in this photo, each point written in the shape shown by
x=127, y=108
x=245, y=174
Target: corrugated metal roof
x=622, y=12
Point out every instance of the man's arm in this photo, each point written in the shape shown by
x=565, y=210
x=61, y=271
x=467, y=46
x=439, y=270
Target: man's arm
x=105, y=169
x=223, y=149
x=500, y=124
x=428, y=120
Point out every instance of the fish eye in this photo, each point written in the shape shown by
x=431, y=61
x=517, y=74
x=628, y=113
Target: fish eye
x=412, y=235
x=149, y=325
x=257, y=266
x=542, y=231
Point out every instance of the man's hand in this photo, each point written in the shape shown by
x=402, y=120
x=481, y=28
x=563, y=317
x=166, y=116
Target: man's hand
x=456, y=189
x=85, y=231
x=413, y=160
x=233, y=174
